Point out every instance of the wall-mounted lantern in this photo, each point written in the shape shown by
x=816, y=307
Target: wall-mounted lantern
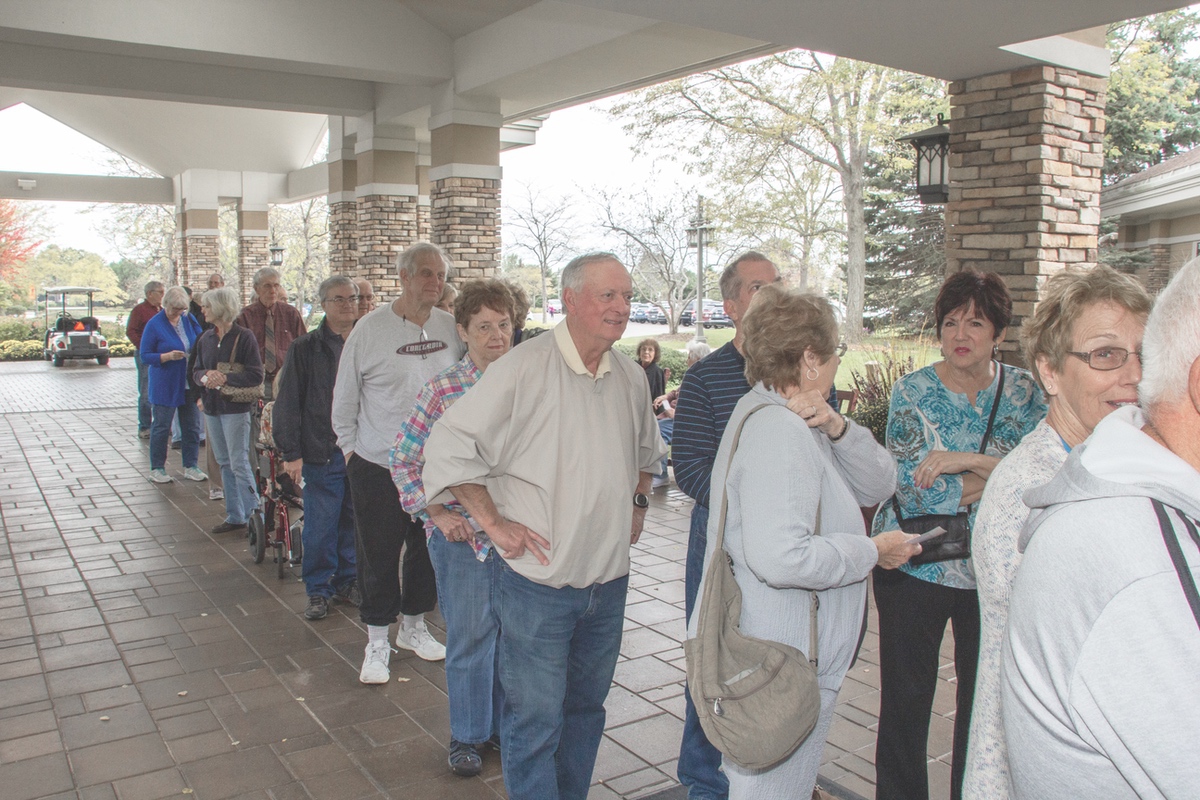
x=933, y=162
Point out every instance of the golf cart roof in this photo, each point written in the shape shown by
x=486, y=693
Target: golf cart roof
x=72, y=290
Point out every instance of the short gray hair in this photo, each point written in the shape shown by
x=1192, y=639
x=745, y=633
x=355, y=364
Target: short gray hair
x=333, y=282
x=572, y=274
x=176, y=297
x=697, y=350
x=222, y=304
x=264, y=273
x=1171, y=343
x=407, y=260
x=731, y=281
x=154, y=286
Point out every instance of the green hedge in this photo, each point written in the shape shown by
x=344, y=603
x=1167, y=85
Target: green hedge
x=18, y=331
x=670, y=358
x=15, y=350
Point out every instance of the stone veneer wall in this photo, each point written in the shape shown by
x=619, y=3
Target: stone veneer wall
x=465, y=218
x=1026, y=152
x=1157, y=274
x=200, y=257
x=253, y=254
x=343, y=238
x=386, y=225
x=424, y=229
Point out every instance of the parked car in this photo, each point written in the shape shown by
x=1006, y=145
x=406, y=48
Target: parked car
x=712, y=310
x=656, y=316
x=639, y=312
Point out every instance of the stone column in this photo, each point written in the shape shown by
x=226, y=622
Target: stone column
x=343, y=200
x=424, y=226
x=464, y=193
x=387, y=202
x=1026, y=149
x=254, y=238
x=199, y=248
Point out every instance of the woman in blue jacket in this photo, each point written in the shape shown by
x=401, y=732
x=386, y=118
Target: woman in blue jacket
x=168, y=337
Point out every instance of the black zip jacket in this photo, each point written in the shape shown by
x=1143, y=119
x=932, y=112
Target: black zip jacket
x=302, y=418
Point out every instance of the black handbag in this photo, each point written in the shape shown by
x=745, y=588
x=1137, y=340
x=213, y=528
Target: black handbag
x=955, y=544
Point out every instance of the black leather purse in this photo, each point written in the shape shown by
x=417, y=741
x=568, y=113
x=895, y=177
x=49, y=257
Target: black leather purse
x=956, y=543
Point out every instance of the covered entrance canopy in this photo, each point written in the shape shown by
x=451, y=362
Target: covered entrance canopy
x=232, y=99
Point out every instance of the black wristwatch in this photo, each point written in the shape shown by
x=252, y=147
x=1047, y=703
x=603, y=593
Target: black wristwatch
x=640, y=500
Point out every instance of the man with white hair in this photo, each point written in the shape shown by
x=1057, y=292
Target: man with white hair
x=366, y=296
x=552, y=453
x=142, y=313
x=391, y=353
x=274, y=323
x=1101, y=669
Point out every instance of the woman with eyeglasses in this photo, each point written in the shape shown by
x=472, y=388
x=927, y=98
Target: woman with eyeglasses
x=791, y=493
x=168, y=337
x=1083, y=344
x=938, y=423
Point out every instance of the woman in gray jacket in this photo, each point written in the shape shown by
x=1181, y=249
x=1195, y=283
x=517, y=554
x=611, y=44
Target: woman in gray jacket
x=799, y=459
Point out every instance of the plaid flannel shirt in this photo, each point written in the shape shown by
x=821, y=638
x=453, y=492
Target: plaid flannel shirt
x=408, y=454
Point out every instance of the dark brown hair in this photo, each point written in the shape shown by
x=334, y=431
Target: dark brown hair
x=985, y=290
x=476, y=294
x=653, y=343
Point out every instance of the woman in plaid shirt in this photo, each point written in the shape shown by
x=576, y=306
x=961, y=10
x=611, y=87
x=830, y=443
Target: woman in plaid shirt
x=462, y=555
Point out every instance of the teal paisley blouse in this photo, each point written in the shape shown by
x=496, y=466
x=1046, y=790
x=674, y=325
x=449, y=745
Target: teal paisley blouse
x=926, y=416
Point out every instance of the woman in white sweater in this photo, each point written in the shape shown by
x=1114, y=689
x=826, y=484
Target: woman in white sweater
x=797, y=458
x=1083, y=345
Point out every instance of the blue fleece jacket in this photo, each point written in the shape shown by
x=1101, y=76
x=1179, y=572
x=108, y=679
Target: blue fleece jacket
x=167, y=382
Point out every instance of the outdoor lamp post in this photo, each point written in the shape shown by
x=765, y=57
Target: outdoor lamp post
x=276, y=256
x=698, y=235
x=933, y=162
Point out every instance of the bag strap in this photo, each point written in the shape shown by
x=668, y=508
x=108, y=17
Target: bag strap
x=1176, y=552
x=720, y=543
x=987, y=435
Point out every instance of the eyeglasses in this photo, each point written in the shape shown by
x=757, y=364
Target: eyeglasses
x=841, y=349
x=1106, y=358
x=341, y=301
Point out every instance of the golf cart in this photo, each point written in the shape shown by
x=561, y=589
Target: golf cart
x=73, y=337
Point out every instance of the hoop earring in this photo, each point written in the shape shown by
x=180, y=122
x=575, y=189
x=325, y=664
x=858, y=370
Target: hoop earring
x=814, y=374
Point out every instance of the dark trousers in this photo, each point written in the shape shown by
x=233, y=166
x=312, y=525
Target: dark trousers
x=912, y=621
x=381, y=529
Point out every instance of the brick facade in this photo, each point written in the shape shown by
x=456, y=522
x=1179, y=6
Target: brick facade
x=200, y=256
x=1026, y=149
x=253, y=255
x=1158, y=273
x=343, y=238
x=386, y=225
x=424, y=226
x=465, y=219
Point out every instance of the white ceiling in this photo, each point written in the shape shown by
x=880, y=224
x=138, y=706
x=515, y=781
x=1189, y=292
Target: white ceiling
x=247, y=84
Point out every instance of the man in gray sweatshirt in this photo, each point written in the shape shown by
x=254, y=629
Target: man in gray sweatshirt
x=1101, y=671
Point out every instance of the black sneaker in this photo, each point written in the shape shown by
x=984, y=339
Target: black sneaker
x=464, y=759
x=317, y=607
x=349, y=594
x=494, y=742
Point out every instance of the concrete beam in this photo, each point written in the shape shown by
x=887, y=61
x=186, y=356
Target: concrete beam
x=50, y=187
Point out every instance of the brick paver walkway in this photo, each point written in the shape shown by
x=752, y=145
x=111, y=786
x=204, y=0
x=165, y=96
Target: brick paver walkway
x=142, y=658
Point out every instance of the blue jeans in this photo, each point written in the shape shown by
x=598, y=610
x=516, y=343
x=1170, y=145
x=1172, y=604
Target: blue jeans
x=699, y=766
x=143, y=402
x=328, y=534
x=666, y=427
x=464, y=589
x=229, y=437
x=160, y=434
x=558, y=652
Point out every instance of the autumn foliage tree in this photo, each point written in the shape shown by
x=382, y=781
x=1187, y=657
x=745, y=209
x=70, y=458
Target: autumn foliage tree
x=17, y=239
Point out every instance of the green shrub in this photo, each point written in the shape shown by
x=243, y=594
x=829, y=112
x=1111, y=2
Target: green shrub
x=669, y=358
x=20, y=351
x=120, y=349
x=17, y=330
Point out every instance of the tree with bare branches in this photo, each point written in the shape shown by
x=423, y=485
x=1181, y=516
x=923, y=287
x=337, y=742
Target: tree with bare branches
x=545, y=228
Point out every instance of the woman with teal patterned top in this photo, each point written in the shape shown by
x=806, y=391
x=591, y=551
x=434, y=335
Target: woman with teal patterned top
x=936, y=425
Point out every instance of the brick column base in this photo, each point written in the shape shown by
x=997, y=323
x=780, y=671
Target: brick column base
x=465, y=217
x=253, y=255
x=201, y=256
x=343, y=238
x=1026, y=148
x=386, y=225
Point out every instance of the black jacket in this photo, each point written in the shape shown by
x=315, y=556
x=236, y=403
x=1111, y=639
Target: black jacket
x=208, y=351
x=302, y=418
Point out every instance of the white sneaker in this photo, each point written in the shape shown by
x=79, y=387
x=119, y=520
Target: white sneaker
x=421, y=641
x=160, y=476
x=659, y=481
x=375, y=663
x=195, y=474
x=216, y=494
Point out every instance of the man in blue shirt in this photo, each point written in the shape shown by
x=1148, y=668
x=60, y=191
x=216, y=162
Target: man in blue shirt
x=710, y=390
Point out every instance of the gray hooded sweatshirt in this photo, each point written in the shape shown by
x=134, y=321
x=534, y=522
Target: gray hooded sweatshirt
x=1101, y=666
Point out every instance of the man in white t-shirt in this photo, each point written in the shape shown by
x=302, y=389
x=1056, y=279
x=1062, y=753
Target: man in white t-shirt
x=391, y=353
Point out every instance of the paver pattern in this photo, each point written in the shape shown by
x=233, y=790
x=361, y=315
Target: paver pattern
x=142, y=658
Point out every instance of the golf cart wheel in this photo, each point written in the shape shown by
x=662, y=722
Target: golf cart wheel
x=58, y=360
x=281, y=560
x=102, y=360
x=258, y=537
